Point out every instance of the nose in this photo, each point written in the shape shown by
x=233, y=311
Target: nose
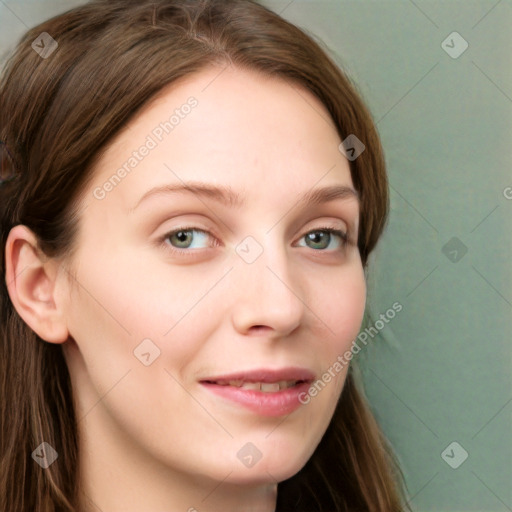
x=268, y=299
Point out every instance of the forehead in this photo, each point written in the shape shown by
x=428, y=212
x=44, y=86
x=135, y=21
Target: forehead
x=226, y=127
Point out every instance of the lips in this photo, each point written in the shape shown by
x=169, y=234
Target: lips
x=263, y=391
x=284, y=378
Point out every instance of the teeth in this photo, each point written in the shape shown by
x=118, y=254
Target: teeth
x=265, y=387
x=255, y=386
x=268, y=387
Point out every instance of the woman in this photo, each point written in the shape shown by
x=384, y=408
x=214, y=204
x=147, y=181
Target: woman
x=191, y=192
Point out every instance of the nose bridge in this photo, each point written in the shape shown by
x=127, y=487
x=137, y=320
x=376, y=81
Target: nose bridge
x=268, y=291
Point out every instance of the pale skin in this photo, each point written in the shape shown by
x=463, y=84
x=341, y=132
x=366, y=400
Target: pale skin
x=152, y=438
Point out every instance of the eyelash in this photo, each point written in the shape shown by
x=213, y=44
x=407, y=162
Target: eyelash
x=163, y=240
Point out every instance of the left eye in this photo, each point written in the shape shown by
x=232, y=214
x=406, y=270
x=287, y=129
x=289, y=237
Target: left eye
x=182, y=239
x=322, y=235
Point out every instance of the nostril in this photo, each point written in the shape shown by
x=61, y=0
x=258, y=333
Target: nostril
x=259, y=327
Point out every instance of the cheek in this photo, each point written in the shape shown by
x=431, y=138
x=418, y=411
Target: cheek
x=341, y=307
x=124, y=309
x=114, y=309
x=133, y=298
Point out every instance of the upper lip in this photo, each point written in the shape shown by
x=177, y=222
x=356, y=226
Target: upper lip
x=266, y=375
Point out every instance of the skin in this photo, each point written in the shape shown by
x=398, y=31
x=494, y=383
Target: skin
x=152, y=438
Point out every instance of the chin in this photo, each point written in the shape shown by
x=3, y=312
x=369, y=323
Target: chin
x=261, y=476
x=278, y=468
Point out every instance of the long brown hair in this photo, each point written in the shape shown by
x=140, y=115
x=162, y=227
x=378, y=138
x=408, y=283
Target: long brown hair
x=57, y=115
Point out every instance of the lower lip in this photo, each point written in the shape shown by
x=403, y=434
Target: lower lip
x=277, y=403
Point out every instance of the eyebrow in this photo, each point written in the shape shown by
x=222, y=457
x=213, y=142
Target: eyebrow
x=228, y=197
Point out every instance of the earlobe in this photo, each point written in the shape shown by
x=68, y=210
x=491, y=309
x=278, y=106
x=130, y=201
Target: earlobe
x=31, y=280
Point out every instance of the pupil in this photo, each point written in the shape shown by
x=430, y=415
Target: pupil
x=315, y=237
x=181, y=236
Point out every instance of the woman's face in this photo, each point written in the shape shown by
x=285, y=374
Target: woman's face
x=181, y=296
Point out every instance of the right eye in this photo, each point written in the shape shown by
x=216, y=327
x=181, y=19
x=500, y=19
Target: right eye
x=180, y=240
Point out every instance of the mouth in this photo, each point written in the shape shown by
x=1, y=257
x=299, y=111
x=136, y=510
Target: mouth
x=264, y=392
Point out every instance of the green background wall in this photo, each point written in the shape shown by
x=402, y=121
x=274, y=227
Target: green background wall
x=440, y=371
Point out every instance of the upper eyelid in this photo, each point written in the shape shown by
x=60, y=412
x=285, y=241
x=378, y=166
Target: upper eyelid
x=349, y=223
x=345, y=209
x=321, y=204
x=193, y=227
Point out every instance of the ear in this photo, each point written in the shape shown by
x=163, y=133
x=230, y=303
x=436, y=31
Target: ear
x=31, y=282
